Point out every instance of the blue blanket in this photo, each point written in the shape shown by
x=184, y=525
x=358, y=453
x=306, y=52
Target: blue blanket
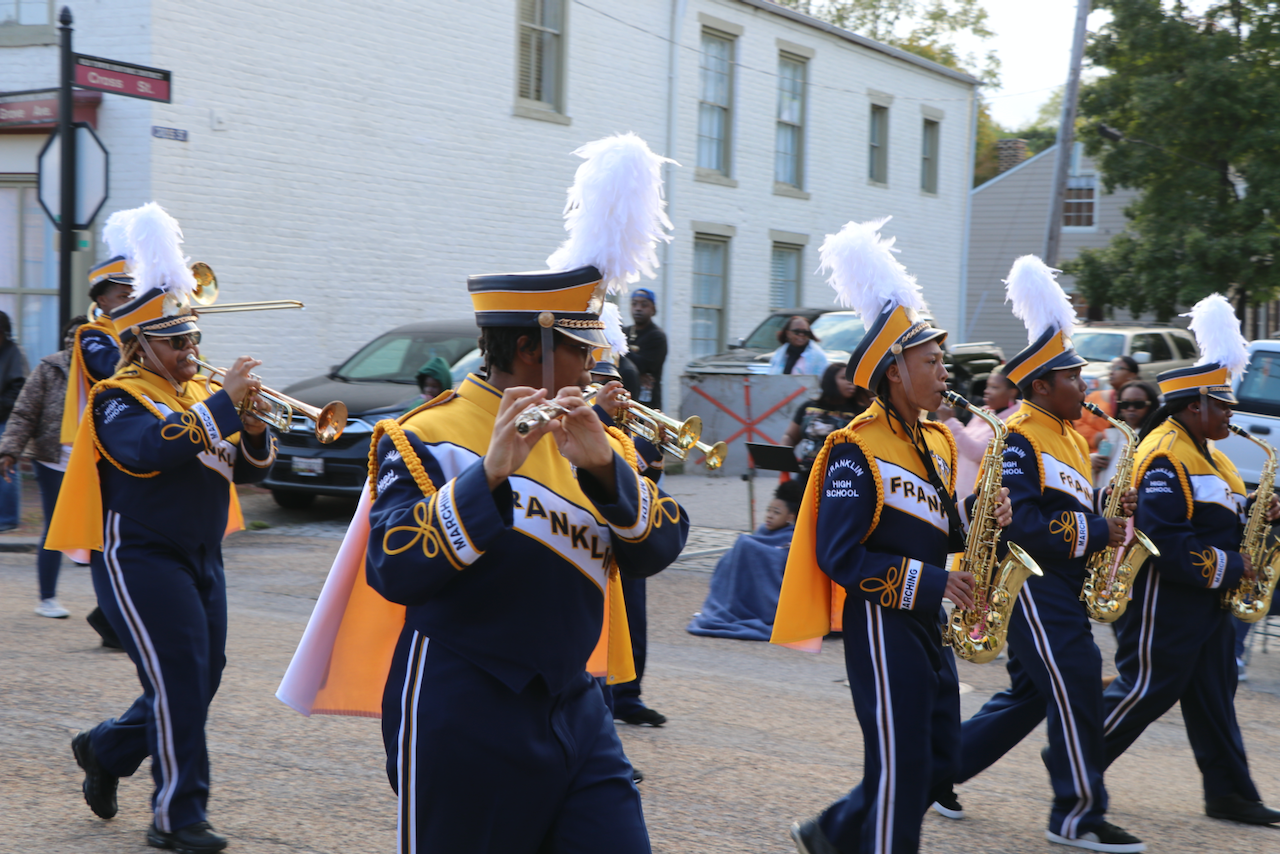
x=744, y=590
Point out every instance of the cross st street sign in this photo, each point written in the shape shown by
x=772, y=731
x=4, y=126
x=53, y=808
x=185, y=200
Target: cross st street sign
x=91, y=176
x=122, y=78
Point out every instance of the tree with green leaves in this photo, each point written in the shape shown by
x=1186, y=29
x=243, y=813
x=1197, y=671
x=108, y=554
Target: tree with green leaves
x=1191, y=99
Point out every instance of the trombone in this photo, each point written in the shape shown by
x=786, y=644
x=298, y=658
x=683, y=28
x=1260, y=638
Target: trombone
x=330, y=421
x=206, y=294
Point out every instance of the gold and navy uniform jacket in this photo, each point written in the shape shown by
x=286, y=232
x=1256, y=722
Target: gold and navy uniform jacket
x=1192, y=506
x=513, y=580
x=882, y=531
x=168, y=461
x=1056, y=516
x=99, y=351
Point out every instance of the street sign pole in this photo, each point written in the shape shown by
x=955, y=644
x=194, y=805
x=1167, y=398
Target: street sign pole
x=67, y=208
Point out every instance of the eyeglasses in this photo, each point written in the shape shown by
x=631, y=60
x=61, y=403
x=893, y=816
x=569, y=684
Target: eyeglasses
x=1133, y=404
x=805, y=332
x=181, y=342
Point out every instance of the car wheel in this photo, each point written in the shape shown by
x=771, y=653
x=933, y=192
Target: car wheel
x=291, y=500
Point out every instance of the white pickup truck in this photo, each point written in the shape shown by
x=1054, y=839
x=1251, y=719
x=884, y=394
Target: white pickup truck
x=1258, y=391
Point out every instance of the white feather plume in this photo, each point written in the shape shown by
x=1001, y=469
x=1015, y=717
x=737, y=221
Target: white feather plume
x=615, y=214
x=1217, y=331
x=613, y=330
x=865, y=275
x=115, y=232
x=155, y=238
x=1038, y=300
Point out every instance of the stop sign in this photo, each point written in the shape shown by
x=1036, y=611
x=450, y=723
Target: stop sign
x=91, y=176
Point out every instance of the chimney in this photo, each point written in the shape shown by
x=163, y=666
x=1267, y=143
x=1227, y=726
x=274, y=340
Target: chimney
x=1009, y=153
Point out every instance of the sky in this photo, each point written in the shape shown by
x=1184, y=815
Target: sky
x=1033, y=41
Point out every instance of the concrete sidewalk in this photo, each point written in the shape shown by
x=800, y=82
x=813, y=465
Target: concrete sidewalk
x=759, y=736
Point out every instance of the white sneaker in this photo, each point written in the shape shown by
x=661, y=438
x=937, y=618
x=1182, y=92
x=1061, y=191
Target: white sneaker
x=51, y=608
x=1242, y=675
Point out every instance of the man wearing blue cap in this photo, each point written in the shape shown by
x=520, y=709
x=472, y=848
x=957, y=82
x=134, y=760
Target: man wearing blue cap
x=648, y=345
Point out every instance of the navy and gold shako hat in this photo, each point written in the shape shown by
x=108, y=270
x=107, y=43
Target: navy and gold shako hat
x=156, y=313
x=1052, y=351
x=1223, y=354
x=160, y=306
x=898, y=328
x=567, y=301
x=112, y=271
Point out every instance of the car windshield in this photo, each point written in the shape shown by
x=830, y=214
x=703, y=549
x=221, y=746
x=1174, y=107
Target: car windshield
x=839, y=331
x=397, y=356
x=766, y=335
x=1259, y=389
x=1099, y=346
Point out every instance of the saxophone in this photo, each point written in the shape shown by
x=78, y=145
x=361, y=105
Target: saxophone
x=978, y=635
x=1251, y=600
x=1108, y=582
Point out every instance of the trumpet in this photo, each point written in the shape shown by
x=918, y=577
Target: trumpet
x=330, y=421
x=674, y=437
x=715, y=454
x=206, y=294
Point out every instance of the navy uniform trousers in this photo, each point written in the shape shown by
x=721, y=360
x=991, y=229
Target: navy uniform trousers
x=1055, y=669
x=539, y=771
x=169, y=609
x=626, y=695
x=1177, y=644
x=907, y=699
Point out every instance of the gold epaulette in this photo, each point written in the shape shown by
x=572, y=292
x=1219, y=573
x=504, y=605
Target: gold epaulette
x=819, y=468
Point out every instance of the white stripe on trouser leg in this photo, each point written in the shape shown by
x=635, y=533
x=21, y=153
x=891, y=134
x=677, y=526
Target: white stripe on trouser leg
x=167, y=758
x=1075, y=753
x=1146, y=637
x=884, y=727
x=407, y=817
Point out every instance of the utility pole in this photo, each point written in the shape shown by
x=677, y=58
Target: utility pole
x=67, y=137
x=1066, y=138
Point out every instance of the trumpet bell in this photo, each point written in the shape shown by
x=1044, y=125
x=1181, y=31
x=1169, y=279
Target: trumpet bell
x=330, y=422
x=206, y=292
x=715, y=454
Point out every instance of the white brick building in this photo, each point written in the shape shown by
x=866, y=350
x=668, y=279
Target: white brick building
x=366, y=158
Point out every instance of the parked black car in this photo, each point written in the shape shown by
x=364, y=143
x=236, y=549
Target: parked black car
x=840, y=331
x=376, y=383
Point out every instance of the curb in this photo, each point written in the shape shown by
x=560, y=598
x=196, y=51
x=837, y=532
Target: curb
x=21, y=545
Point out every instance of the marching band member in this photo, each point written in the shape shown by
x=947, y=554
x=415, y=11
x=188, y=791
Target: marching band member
x=879, y=519
x=497, y=556
x=1176, y=641
x=1054, y=663
x=149, y=489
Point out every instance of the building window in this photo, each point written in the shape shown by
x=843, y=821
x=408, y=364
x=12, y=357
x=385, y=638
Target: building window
x=541, y=43
x=25, y=12
x=878, y=161
x=710, y=265
x=1077, y=205
x=788, y=158
x=716, y=92
x=929, y=157
x=28, y=271
x=784, y=277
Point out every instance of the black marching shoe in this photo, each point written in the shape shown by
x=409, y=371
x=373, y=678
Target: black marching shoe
x=947, y=804
x=810, y=839
x=643, y=717
x=1104, y=837
x=99, y=787
x=637, y=776
x=197, y=838
x=1234, y=807
x=98, y=621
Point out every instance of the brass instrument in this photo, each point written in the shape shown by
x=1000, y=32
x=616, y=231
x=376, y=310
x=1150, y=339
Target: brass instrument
x=206, y=294
x=330, y=421
x=1251, y=601
x=674, y=437
x=1108, y=581
x=978, y=634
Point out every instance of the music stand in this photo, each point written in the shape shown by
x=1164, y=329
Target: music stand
x=772, y=457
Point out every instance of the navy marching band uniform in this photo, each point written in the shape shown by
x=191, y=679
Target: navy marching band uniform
x=1055, y=668
x=1176, y=641
x=149, y=488
x=884, y=504
x=497, y=738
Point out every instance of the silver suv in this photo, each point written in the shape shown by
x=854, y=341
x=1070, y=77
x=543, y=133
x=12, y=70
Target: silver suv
x=1154, y=348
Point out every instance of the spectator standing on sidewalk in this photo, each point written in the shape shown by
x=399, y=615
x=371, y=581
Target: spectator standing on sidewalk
x=37, y=418
x=13, y=373
x=648, y=348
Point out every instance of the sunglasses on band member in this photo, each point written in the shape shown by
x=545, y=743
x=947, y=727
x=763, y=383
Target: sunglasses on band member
x=181, y=342
x=1133, y=404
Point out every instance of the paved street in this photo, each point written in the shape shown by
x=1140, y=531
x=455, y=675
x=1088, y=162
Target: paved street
x=758, y=736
